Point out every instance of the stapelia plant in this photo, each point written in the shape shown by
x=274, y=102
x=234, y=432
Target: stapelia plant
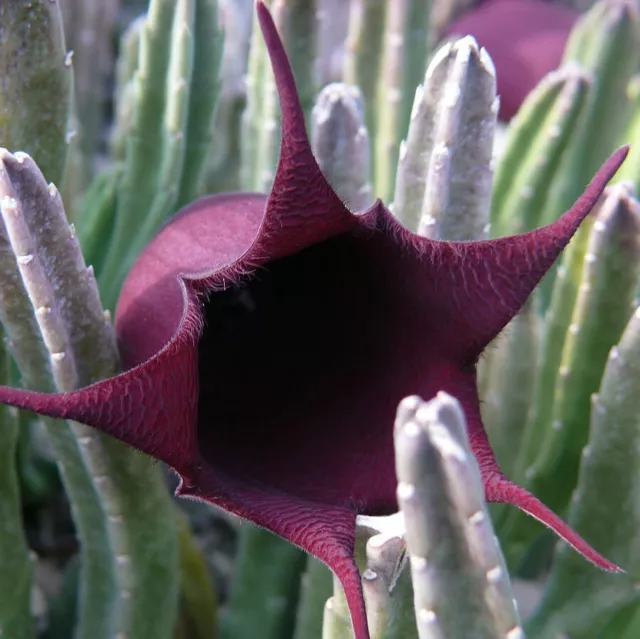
x=267, y=341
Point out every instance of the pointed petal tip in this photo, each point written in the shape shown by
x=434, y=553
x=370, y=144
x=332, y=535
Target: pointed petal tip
x=604, y=175
x=619, y=156
x=503, y=491
x=325, y=532
x=566, y=225
x=263, y=14
x=49, y=404
x=292, y=117
x=608, y=170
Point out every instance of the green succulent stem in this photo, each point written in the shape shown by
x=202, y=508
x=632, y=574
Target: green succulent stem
x=89, y=26
x=118, y=499
x=444, y=174
x=605, y=42
x=603, y=306
x=253, y=609
x=386, y=579
x=259, y=85
x=452, y=549
x=315, y=590
x=402, y=67
x=578, y=597
x=144, y=153
x=36, y=91
x=205, y=94
x=178, y=85
x=336, y=619
x=507, y=402
x=537, y=138
x=555, y=325
x=17, y=569
x=341, y=143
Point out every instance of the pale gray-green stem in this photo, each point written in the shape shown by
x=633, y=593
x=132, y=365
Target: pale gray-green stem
x=538, y=135
x=103, y=478
x=604, y=504
x=453, y=552
x=459, y=172
x=341, y=143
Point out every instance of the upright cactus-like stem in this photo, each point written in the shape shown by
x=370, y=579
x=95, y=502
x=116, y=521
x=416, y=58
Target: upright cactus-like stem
x=89, y=29
x=97, y=216
x=386, y=583
x=576, y=597
x=364, y=53
x=143, y=160
x=21, y=339
x=315, y=590
x=416, y=149
x=443, y=182
x=630, y=170
x=333, y=31
x=63, y=291
x=205, y=92
x=386, y=580
x=224, y=165
x=97, y=608
x=603, y=307
x=606, y=44
x=336, y=620
x=515, y=526
x=198, y=616
x=299, y=24
x=536, y=139
x=457, y=192
x=510, y=386
x=451, y=545
x=267, y=583
x=259, y=83
x=555, y=326
x=387, y=588
x=403, y=64
x=169, y=115
x=125, y=87
x=341, y=143
x=178, y=88
x=15, y=576
x=224, y=170
x=118, y=499
x=36, y=90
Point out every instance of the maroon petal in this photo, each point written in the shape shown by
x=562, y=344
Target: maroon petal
x=525, y=39
x=268, y=341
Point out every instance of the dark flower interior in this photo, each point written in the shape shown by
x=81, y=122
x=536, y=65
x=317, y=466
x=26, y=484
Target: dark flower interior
x=301, y=370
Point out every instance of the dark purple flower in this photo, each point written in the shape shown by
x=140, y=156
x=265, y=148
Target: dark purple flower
x=525, y=39
x=268, y=340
